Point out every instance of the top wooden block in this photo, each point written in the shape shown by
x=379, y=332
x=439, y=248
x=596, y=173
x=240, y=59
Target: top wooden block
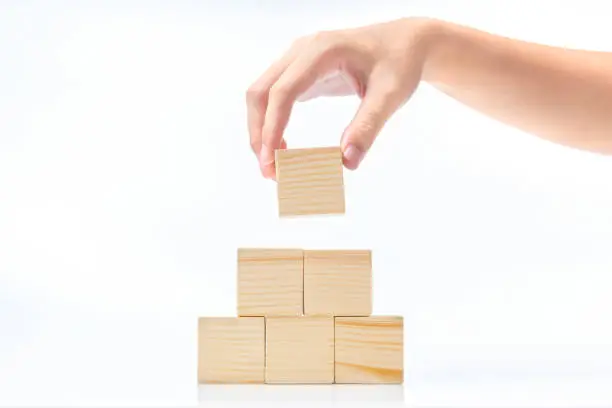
x=310, y=181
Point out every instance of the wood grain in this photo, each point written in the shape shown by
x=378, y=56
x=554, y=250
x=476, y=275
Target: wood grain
x=300, y=350
x=338, y=282
x=231, y=350
x=369, y=350
x=310, y=181
x=270, y=282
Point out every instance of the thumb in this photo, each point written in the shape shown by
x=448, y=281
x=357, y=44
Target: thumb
x=376, y=108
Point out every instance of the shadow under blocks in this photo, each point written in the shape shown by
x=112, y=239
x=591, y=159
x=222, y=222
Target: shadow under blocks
x=304, y=316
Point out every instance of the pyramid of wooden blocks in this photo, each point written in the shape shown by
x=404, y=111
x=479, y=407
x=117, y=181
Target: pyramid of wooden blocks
x=310, y=181
x=304, y=317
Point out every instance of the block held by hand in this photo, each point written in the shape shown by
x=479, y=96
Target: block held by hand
x=310, y=181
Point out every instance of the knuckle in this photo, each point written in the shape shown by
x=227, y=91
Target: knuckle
x=368, y=125
x=329, y=43
x=365, y=126
x=255, y=145
x=255, y=93
x=321, y=43
x=316, y=39
x=325, y=40
x=301, y=41
x=323, y=37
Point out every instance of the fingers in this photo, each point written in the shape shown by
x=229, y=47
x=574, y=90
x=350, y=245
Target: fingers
x=379, y=103
x=271, y=98
x=297, y=78
x=257, y=97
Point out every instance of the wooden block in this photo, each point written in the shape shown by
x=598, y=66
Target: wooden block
x=338, y=282
x=231, y=350
x=310, y=181
x=369, y=350
x=300, y=350
x=270, y=282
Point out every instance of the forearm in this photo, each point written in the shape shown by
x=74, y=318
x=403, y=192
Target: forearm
x=561, y=95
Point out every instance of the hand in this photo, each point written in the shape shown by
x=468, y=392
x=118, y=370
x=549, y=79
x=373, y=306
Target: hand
x=380, y=63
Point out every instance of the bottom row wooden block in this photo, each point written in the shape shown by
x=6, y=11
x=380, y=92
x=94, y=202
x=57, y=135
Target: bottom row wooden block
x=231, y=350
x=301, y=350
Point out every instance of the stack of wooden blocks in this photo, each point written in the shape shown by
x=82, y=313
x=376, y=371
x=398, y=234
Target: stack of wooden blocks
x=304, y=315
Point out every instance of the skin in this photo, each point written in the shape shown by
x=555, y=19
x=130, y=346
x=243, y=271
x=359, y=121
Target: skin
x=562, y=95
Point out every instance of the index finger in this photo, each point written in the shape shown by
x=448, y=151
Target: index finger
x=295, y=80
x=257, y=97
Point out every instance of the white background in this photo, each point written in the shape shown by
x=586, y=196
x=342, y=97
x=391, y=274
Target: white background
x=127, y=183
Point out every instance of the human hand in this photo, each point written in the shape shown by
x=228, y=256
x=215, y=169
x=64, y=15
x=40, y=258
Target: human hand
x=381, y=63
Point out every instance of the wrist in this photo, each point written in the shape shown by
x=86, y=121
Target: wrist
x=433, y=36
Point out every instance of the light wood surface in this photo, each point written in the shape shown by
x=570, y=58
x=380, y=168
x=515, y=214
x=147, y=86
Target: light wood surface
x=338, y=282
x=270, y=282
x=300, y=350
x=231, y=350
x=369, y=350
x=310, y=181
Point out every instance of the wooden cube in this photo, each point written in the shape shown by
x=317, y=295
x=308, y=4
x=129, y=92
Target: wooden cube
x=310, y=181
x=369, y=350
x=338, y=282
x=300, y=350
x=231, y=350
x=270, y=282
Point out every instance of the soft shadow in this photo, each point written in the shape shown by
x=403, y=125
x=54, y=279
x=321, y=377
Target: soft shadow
x=333, y=393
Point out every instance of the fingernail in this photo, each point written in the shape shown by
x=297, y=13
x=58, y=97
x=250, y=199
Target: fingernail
x=266, y=162
x=352, y=157
x=265, y=156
